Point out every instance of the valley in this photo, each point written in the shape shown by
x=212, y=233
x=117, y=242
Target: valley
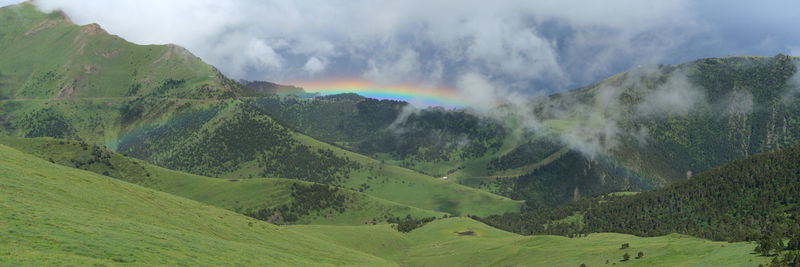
x=117, y=153
x=59, y=215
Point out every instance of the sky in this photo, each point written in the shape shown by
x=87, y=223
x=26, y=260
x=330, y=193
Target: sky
x=479, y=48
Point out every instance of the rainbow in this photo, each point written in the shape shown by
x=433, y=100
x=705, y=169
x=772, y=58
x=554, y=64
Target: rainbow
x=416, y=94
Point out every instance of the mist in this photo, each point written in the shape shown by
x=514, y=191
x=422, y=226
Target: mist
x=519, y=46
x=793, y=86
x=510, y=53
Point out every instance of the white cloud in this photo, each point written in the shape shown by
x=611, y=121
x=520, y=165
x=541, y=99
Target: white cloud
x=793, y=85
x=517, y=45
x=405, y=66
x=477, y=90
x=396, y=40
x=10, y=2
x=314, y=65
x=675, y=97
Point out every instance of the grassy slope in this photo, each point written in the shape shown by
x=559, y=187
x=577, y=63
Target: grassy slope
x=52, y=214
x=415, y=189
x=241, y=195
x=396, y=184
x=439, y=244
x=97, y=71
x=88, y=62
x=387, y=181
x=58, y=215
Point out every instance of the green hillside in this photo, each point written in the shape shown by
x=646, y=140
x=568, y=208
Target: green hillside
x=59, y=215
x=434, y=141
x=462, y=241
x=190, y=118
x=115, y=153
x=234, y=140
x=46, y=56
x=650, y=127
x=55, y=215
x=178, y=112
x=717, y=110
x=494, y=156
x=610, y=136
x=750, y=199
x=245, y=196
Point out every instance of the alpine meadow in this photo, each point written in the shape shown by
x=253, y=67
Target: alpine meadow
x=306, y=133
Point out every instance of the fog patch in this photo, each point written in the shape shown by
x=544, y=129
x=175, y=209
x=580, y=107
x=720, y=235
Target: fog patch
x=675, y=97
x=396, y=126
x=793, y=90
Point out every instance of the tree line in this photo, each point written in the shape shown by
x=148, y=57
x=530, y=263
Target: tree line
x=751, y=199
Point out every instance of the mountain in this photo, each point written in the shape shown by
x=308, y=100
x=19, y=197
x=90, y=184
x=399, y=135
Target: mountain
x=691, y=117
x=472, y=150
x=611, y=136
x=650, y=127
x=185, y=116
x=745, y=199
x=273, y=88
x=653, y=126
x=281, y=201
x=56, y=215
x=434, y=141
x=635, y=131
x=97, y=125
x=87, y=62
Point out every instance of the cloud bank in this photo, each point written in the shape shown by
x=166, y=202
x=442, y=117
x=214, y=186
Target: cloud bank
x=518, y=46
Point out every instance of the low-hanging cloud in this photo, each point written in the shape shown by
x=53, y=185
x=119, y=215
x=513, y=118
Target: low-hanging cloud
x=525, y=46
x=677, y=96
x=793, y=85
x=314, y=65
x=491, y=51
x=602, y=122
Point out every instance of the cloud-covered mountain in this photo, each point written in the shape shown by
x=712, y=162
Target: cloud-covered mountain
x=527, y=46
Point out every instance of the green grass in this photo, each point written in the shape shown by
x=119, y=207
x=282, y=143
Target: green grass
x=234, y=194
x=102, y=68
x=412, y=188
x=439, y=244
x=88, y=62
x=98, y=121
x=54, y=215
x=560, y=126
x=576, y=218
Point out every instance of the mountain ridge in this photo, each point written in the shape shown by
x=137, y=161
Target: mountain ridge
x=182, y=121
x=92, y=63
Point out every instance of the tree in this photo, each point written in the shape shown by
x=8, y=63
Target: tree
x=626, y=257
x=794, y=243
x=775, y=262
x=640, y=255
x=797, y=260
x=624, y=246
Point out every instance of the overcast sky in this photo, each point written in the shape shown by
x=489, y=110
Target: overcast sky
x=525, y=46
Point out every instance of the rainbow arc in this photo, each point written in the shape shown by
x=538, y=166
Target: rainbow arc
x=412, y=93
